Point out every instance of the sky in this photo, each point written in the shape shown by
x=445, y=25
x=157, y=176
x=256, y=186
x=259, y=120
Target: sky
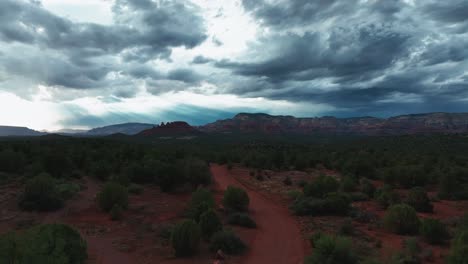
x=88, y=63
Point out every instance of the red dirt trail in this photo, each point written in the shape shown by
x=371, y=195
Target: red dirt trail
x=277, y=238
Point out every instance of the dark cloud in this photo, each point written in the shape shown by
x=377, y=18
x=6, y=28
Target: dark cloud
x=144, y=30
x=359, y=57
x=184, y=75
x=454, y=11
x=201, y=60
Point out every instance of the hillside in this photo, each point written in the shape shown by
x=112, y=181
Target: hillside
x=18, y=131
x=126, y=129
x=405, y=124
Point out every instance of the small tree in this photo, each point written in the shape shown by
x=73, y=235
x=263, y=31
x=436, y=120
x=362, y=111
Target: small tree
x=202, y=201
x=433, y=231
x=367, y=187
x=332, y=250
x=386, y=196
x=116, y=212
x=185, y=238
x=241, y=219
x=41, y=193
x=459, y=250
x=418, y=199
x=113, y=194
x=210, y=223
x=321, y=186
x=51, y=243
x=402, y=219
x=236, y=199
x=228, y=242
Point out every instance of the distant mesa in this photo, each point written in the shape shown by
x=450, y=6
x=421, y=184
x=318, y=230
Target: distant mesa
x=126, y=129
x=8, y=131
x=269, y=124
x=404, y=124
x=177, y=128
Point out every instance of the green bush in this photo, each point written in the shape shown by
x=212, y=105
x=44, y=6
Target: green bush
x=135, y=189
x=116, y=212
x=51, y=243
x=418, y=199
x=228, y=242
x=210, y=223
x=346, y=228
x=358, y=196
x=402, y=219
x=287, y=181
x=41, y=193
x=112, y=194
x=386, y=196
x=185, y=238
x=459, y=249
x=348, y=184
x=236, y=199
x=332, y=204
x=332, y=250
x=294, y=194
x=433, y=231
x=321, y=186
x=202, y=200
x=367, y=187
x=68, y=190
x=241, y=219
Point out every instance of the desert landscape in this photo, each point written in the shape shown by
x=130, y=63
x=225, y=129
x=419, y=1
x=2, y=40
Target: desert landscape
x=233, y=132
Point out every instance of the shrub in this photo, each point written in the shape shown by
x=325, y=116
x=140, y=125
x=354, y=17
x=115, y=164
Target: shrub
x=241, y=219
x=116, y=212
x=367, y=187
x=52, y=243
x=402, y=219
x=68, y=190
x=294, y=194
x=418, y=199
x=287, y=181
x=358, y=196
x=228, y=242
x=346, y=228
x=185, y=238
x=135, y=189
x=348, y=184
x=433, y=231
x=333, y=204
x=202, y=201
x=321, y=186
x=302, y=183
x=210, y=223
x=236, y=199
x=332, y=250
x=386, y=196
x=113, y=194
x=41, y=193
x=459, y=250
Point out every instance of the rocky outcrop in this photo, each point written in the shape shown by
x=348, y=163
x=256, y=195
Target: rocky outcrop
x=178, y=128
x=405, y=124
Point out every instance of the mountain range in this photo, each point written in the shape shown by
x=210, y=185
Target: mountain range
x=270, y=124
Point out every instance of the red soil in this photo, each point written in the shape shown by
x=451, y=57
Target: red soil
x=277, y=238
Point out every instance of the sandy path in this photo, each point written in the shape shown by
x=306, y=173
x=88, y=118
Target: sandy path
x=278, y=238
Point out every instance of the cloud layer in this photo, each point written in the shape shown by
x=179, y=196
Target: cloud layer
x=346, y=58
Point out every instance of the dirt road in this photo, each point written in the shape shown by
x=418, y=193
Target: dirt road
x=278, y=238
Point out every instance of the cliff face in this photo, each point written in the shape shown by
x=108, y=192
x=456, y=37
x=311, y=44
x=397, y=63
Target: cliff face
x=406, y=124
x=169, y=129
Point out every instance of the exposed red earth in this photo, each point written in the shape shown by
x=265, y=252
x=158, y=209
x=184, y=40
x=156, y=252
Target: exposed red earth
x=278, y=238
